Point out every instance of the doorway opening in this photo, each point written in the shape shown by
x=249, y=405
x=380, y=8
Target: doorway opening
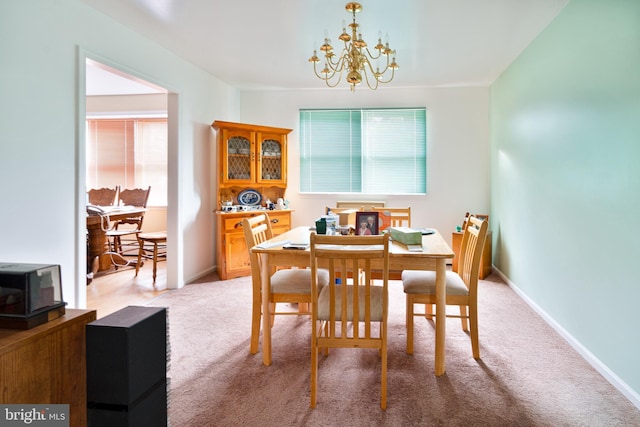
x=125, y=147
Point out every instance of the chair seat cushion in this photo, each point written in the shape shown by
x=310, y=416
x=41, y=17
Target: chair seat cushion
x=324, y=300
x=424, y=282
x=297, y=281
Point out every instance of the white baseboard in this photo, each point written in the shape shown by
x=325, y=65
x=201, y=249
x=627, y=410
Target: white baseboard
x=607, y=373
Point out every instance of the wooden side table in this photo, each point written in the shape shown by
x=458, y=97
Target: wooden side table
x=485, y=258
x=47, y=364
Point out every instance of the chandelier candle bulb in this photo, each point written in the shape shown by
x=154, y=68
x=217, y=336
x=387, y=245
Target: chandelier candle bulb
x=355, y=58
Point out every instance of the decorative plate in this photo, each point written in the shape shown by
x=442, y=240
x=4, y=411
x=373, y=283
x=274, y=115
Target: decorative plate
x=249, y=198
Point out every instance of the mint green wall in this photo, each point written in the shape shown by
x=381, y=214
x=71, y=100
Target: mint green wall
x=565, y=153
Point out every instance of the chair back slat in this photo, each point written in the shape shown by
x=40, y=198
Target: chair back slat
x=261, y=234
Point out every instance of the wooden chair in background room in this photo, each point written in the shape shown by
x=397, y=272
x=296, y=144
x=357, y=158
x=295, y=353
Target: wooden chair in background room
x=158, y=242
x=347, y=216
x=462, y=287
x=360, y=205
x=130, y=226
x=343, y=317
x=103, y=196
x=287, y=286
x=341, y=210
x=393, y=217
x=397, y=217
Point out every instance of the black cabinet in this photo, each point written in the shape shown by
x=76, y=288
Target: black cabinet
x=127, y=357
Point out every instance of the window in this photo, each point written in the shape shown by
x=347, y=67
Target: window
x=370, y=151
x=131, y=153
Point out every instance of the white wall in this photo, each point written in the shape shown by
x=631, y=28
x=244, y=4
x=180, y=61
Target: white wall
x=457, y=152
x=43, y=45
x=118, y=105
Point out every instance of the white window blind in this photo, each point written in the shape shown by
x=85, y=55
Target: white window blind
x=371, y=151
x=131, y=153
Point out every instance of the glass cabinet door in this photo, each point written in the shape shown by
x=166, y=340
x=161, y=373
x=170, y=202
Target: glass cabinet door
x=271, y=165
x=238, y=160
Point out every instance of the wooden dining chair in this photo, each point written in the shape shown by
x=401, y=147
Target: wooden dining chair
x=103, y=196
x=287, y=285
x=158, y=242
x=360, y=205
x=351, y=312
x=130, y=226
x=462, y=287
x=393, y=217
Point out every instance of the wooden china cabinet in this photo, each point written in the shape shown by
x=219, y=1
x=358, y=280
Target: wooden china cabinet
x=252, y=168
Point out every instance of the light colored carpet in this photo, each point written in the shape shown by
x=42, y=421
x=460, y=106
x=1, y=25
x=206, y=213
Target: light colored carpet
x=528, y=375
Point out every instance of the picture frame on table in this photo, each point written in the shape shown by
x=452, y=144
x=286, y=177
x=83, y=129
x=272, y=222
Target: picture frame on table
x=366, y=223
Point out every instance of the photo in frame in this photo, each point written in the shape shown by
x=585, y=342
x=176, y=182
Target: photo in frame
x=366, y=223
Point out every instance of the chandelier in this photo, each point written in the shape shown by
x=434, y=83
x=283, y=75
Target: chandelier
x=355, y=58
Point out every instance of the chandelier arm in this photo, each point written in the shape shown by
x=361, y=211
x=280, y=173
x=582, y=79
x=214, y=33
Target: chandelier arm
x=327, y=78
x=321, y=76
x=336, y=83
x=390, y=78
x=331, y=68
x=366, y=78
x=370, y=67
x=338, y=65
x=378, y=80
x=386, y=68
x=374, y=57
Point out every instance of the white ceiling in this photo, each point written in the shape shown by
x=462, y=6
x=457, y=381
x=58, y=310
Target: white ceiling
x=259, y=44
x=104, y=80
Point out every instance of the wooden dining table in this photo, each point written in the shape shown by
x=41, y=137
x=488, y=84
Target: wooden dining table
x=434, y=255
x=99, y=257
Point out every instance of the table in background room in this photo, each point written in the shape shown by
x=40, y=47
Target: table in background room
x=99, y=258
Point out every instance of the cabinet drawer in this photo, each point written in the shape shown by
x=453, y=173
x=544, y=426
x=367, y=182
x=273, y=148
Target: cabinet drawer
x=231, y=224
x=278, y=219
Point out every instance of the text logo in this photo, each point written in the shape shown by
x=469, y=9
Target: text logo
x=54, y=415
